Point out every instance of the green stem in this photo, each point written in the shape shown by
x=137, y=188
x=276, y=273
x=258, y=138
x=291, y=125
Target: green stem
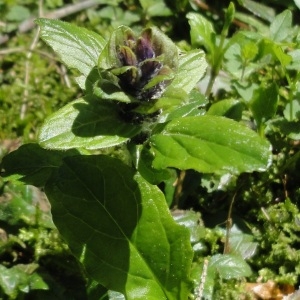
x=228, y=226
x=215, y=67
x=178, y=189
x=261, y=130
x=217, y=60
x=211, y=82
x=291, y=92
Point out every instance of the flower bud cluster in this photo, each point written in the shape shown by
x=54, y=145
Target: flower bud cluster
x=141, y=66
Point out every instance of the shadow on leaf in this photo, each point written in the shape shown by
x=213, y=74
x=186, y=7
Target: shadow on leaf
x=31, y=164
x=96, y=205
x=101, y=118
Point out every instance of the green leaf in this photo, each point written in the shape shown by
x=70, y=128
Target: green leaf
x=290, y=129
x=17, y=13
x=295, y=63
x=241, y=244
x=249, y=51
x=202, y=32
x=113, y=14
x=32, y=164
x=240, y=54
x=111, y=218
x=194, y=106
x=224, y=266
x=234, y=61
x=230, y=108
x=20, y=278
x=297, y=2
x=105, y=86
x=191, y=220
x=143, y=162
x=171, y=98
x=265, y=12
x=284, y=59
x=245, y=90
x=210, y=144
x=78, y=47
x=169, y=188
x=19, y=209
x=192, y=66
x=22, y=208
x=107, y=90
x=280, y=28
x=155, y=8
x=115, y=296
x=292, y=111
x=244, y=37
x=270, y=47
x=253, y=22
x=229, y=266
x=89, y=125
x=264, y=103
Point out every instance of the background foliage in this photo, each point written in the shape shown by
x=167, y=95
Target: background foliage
x=253, y=77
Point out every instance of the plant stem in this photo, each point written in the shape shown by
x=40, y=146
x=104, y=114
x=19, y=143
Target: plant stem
x=228, y=226
x=211, y=82
x=56, y=14
x=178, y=189
x=27, y=75
x=203, y=279
x=216, y=66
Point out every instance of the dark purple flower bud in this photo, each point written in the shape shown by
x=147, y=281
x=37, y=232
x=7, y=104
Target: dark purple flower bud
x=139, y=64
x=151, y=90
x=149, y=69
x=144, y=49
x=128, y=81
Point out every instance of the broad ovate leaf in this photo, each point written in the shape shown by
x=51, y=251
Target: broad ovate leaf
x=192, y=66
x=31, y=164
x=281, y=26
x=155, y=8
x=77, y=47
x=259, y=9
x=91, y=124
x=143, y=158
x=269, y=47
x=111, y=219
x=230, y=108
x=192, y=221
x=193, y=105
x=202, y=32
x=229, y=266
x=210, y=144
x=241, y=243
x=292, y=110
x=264, y=103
